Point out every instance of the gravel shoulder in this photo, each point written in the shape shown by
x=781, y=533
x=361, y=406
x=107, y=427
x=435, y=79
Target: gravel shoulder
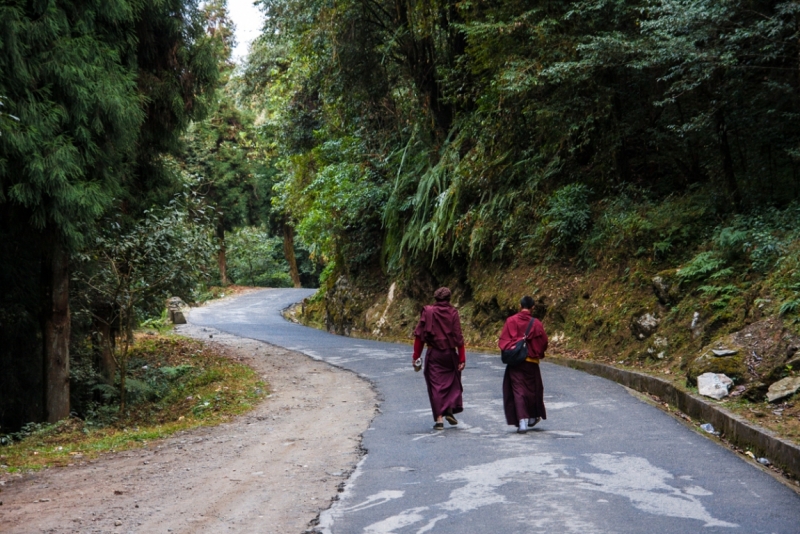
x=272, y=470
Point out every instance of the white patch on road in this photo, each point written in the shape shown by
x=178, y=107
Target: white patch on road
x=401, y=520
x=379, y=498
x=483, y=480
x=560, y=405
x=697, y=491
x=431, y=524
x=564, y=433
x=645, y=485
x=329, y=516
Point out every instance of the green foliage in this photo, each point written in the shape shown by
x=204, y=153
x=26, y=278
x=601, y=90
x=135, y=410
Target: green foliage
x=92, y=95
x=566, y=217
x=790, y=306
x=722, y=295
x=672, y=113
x=256, y=259
x=700, y=267
x=27, y=430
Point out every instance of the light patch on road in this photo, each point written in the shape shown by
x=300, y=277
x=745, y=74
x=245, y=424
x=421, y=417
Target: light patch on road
x=563, y=433
x=646, y=487
x=557, y=513
x=329, y=516
x=643, y=484
x=560, y=405
x=379, y=498
x=483, y=480
x=401, y=520
x=431, y=524
x=377, y=354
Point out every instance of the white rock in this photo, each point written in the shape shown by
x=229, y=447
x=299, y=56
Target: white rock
x=713, y=385
x=783, y=388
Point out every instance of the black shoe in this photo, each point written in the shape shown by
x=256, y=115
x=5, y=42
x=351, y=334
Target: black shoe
x=451, y=418
x=438, y=426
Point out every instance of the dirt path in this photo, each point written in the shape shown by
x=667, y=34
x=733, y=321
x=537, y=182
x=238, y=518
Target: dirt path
x=270, y=471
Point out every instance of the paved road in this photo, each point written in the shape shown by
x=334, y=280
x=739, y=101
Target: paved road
x=603, y=461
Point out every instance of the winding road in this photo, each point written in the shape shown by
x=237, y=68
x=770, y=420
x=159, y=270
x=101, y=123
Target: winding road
x=604, y=462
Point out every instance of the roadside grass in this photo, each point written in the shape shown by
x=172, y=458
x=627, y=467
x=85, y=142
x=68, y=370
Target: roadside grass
x=180, y=384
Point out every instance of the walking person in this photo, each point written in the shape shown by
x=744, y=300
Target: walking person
x=439, y=327
x=523, y=392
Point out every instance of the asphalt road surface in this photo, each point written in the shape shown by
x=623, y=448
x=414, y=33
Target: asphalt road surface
x=603, y=461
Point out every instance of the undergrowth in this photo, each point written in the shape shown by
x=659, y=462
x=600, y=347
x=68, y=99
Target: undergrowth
x=174, y=384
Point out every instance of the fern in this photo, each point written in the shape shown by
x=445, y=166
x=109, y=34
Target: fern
x=139, y=390
x=701, y=267
x=724, y=294
x=172, y=373
x=790, y=306
x=109, y=392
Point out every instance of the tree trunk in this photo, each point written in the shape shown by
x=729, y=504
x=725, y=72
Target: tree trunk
x=56, y=335
x=288, y=250
x=221, y=260
x=727, y=160
x=126, y=341
x=105, y=350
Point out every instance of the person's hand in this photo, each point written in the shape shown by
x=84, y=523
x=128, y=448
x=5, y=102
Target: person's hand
x=461, y=366
x=417, y=364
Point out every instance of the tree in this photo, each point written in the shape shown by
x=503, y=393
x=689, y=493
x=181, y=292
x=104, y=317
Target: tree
x=79, y=112
x=226, y=154
x=100, y=90
x=132, y=268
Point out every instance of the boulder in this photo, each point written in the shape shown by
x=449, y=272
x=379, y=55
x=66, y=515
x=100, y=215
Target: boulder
x=644, y=326
x=666, y=287
x=177, y=317
x=713, y=385
x=697, y=326
x=732, y=366
x=783, y=388
x=344, y=307
x=661, y=288
x=176, y=310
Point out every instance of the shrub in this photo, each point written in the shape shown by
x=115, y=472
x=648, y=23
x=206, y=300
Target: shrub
x=256, y=259
x=567, y=216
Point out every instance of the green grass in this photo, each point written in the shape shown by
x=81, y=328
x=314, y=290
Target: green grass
x=211, y=388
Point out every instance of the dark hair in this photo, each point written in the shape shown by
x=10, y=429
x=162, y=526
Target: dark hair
x=526, y=302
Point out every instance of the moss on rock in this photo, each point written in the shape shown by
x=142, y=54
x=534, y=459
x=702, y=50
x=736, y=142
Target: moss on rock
x=731, y=366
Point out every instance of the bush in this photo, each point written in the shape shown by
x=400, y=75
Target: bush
x=256, y=259
x=567, y=216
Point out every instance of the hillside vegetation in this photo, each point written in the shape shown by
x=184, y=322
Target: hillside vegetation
x=633, y=165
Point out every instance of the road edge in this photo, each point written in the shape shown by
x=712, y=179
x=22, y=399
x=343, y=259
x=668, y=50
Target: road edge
x=738, y=431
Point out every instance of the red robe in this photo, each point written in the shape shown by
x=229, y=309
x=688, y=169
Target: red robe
x=439, y=327
x=523, y=391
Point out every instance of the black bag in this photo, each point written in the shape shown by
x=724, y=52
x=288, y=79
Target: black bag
x=517, y=355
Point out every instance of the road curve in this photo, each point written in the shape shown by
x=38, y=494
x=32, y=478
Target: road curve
x=604, y=462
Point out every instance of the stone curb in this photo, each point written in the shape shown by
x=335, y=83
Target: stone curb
x=737, y=430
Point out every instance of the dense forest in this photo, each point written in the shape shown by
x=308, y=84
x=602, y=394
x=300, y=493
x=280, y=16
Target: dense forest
x=127, y=175
x=614, y=159
x=633, y=165
x=426, y=134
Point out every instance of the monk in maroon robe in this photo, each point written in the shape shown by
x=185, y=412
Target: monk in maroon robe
x=523, y=392
x=440, y=328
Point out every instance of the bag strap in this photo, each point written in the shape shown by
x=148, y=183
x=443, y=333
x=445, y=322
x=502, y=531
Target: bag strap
x=528, y=330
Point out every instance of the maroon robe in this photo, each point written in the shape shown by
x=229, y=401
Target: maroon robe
x=523, y=391
x=440, y=328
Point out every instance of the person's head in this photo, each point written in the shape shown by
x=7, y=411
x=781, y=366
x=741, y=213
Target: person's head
x=442, y=294
x=526, y=303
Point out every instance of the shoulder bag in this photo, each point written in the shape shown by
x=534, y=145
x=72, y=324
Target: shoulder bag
x=517, y=354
